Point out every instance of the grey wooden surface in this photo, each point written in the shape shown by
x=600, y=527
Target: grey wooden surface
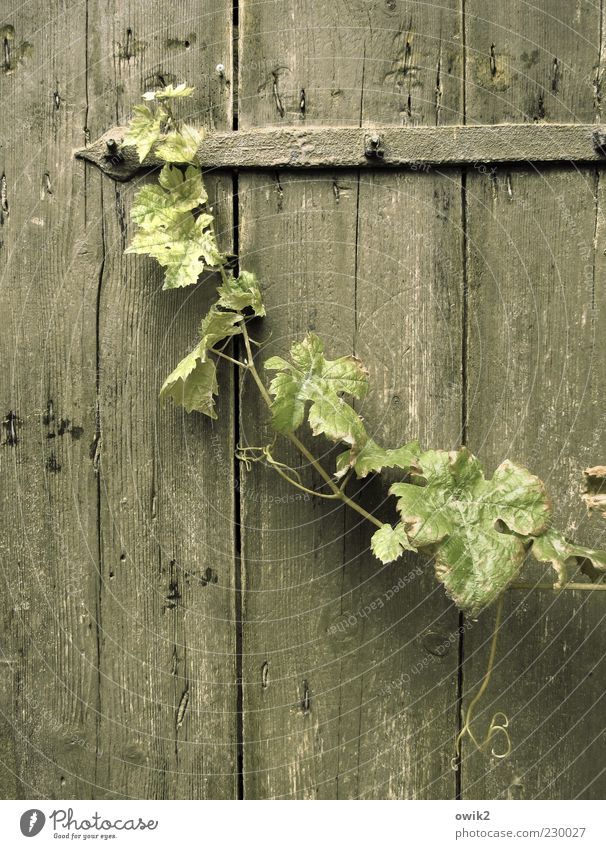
x=536, y=387
x=151, y=645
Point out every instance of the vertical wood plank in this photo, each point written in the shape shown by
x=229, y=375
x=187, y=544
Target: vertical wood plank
x=48, y=536
x=536, y=62
x=536, y=387
x=409, y=311
x=292, y=546
x=347, y=689
x=168, y=691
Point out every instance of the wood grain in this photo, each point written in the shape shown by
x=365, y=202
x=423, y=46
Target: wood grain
x=167, y=676
x=48, y=544
x=347, y=691
x=177, y=627
x=535, y=390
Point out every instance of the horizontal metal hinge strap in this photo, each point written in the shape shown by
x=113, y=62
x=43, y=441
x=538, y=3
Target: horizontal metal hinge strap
x=385, y=147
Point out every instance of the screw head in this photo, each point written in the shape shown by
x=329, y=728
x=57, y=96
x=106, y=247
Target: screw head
x=373, y=147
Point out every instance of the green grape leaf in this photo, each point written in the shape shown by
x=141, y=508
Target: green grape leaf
x=452, y=510
x=184, y=248
x=169, y=91
x=193, y=384
x=388, y=543
x=162, y=205
x=330, y=416
x=241, y=292
x=185, y=188
x=288, y=408
x=312, y=378
x=373, y=458
x=181, y=145
x=144, y=129
x=218, y=325
x=553, y=547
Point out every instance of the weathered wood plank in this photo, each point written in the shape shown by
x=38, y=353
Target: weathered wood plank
x=409, y=317
x=536, y=62
x=378, y=147
x=167, y=613
x=342, y=699
x=536, y=385
x=350, y=63
x=293, y=547
x=48, y=535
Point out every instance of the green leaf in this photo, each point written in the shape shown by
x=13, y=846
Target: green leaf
x=218, y=325
x=184, y=188
x=451, y=509
x=388, y=543
x=163, y=205
x=553, y=547
x=184, y=247
x=193, y=384
x=169, y=91
x=331, y=416
x=180, y=145
x=373, y=458
x=288, y=407
x=242, y=292
x=144, y=130
x=312, y=378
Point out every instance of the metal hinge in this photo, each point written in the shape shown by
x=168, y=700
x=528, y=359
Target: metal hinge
x=385, y=147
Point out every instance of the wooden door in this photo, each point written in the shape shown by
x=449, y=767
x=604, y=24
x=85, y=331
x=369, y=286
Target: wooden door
x=176, y=626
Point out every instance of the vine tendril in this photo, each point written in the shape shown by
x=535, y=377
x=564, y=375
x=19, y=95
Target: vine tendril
x=499, y=722
x=250, y=454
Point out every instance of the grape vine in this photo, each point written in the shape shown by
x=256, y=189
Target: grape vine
x=477, y=530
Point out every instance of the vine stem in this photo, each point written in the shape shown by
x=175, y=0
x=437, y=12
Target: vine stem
x=493, y=728
x=337, y=492
x=300, y=485
x=228, y=358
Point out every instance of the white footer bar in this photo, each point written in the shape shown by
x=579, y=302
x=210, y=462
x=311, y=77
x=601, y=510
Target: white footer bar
x=279, y=825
